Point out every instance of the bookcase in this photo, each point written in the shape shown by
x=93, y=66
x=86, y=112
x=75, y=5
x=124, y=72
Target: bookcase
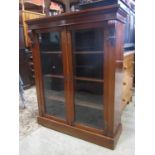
x=78, y=63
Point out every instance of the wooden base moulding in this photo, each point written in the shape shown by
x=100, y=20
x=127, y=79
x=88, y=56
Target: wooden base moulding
x=102, y=140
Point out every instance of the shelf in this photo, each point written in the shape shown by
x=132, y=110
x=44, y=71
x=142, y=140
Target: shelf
x=89, y=100
x=56, y=98
x=77, y=78
x=51, y=52
x=89, y=79
x=54, y=76
x=79, y=103
x=81, y=52
x=85, y=66
x=89, y=52
x=90, y=105
x=55, y=95
x=80, y=100
x=30, y=6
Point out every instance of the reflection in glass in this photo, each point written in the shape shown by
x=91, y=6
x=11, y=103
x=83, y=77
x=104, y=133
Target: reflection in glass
x=50, y=41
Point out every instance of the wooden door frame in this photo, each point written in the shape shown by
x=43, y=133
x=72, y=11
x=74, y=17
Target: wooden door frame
x=70, y=55
x=38, y=72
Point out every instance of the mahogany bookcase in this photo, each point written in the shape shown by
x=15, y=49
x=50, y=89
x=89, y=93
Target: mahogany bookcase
x=78, y=62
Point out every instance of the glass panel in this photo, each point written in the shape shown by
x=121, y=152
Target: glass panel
x=89, y=103
x=54, y=96
x=52, y=74
x=89, y=65
x=88, y=77
x=52, y=63
x=50, y=41
x=88, y=40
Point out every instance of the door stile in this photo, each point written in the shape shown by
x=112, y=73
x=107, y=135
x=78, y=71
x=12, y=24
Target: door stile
x=68, y=76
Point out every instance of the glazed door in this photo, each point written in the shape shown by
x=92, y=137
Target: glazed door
x=53, y=75
x=88, y=77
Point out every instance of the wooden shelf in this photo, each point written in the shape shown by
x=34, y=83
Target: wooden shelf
x=90, y=105
x=89, y=79
x=51, y=52
x=81, y=52
x=54, y=76
x=88, y=52
x=55, y=95
x=77, y=78
x=30, y=6
x=79, y=103
x=85, y=66
x=58, y=96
